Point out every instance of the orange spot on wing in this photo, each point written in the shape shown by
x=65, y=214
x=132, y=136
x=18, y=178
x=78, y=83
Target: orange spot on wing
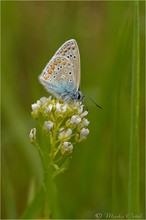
x=63, y=62
x=59, y=61
x=52, y=67
x=55, y=63
x=63, y=53
x=49, y=71
x=46, y=77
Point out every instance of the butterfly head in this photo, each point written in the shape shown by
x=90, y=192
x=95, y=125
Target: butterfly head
x=79, y=96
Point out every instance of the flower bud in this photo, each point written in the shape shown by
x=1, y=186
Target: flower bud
x=64, y=107
x=85, y=123
x=48, y=125
x=58, y=107
x=35, y=108
x=80, y=109
x=84, y=132
x=32, y=135
x=65, y=134
x=66, y=148
x=43, y=99
x=75, y=119
x=49, y=108
x=82, y=135
x=84, y=114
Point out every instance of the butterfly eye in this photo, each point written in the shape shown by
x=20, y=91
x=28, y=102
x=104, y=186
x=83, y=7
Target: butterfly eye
x=79, y=96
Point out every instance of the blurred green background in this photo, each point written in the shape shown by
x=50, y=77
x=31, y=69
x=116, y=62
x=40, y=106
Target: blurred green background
x=97, y=181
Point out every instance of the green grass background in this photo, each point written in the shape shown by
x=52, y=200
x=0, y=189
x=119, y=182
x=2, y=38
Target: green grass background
x=97, y=181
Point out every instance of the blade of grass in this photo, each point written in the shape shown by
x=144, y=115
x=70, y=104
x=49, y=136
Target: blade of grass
x=32, y=210
x=133, y=196
x=8, y=192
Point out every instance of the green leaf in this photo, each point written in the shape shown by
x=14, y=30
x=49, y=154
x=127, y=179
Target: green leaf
x=133, y=200
x=63, y=167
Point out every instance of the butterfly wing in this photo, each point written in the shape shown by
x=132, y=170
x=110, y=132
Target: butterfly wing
x=70, y=51
x=58, y=77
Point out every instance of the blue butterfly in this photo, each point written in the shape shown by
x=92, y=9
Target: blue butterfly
x=61, y=75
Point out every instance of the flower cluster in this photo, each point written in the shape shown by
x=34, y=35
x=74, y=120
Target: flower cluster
x=64, y=124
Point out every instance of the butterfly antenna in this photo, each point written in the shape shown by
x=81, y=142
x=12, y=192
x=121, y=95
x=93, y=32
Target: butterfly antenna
x=94, y=102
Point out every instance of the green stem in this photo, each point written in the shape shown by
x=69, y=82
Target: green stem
x=51, y=200
x=133, y=196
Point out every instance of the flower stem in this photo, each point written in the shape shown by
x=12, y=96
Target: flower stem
x=51, y=201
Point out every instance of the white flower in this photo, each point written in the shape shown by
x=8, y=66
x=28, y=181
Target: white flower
x=66, y=148
x=49, y=108
x=75, y=119
x=84, y=132
x=85, y=123
x=35, y=108
x=32, y=135
x=82, y=135
x=43, y=99
x=65, y=133
x=49, y=98
x=48, y=125
x=80, y=109
x=68, y=119
x=64, y=107
x=58, y=107
x=84, y=114
x=38, y=102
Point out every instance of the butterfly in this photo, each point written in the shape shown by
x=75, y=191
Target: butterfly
x=61, y=75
